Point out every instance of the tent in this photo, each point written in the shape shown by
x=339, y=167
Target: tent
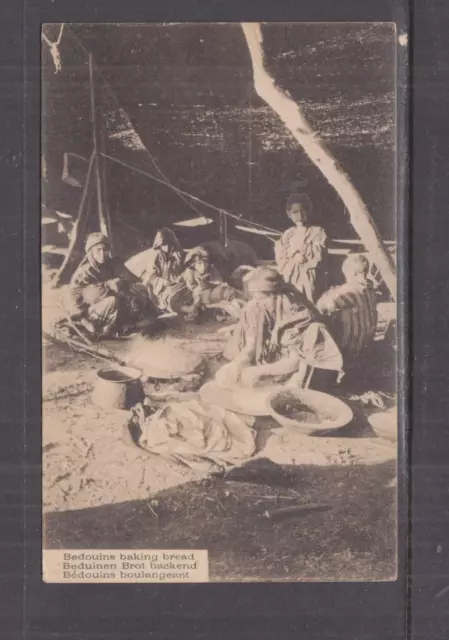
x=168, y=106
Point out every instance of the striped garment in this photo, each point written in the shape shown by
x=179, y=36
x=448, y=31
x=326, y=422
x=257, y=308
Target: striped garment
x=352, y=313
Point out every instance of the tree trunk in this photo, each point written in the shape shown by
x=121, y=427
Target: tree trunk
x=291, y=114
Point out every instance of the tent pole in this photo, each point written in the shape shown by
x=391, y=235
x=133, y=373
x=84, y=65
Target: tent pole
x=79, y=229
x=293, y=117
x=104, y=183
x=104, y=227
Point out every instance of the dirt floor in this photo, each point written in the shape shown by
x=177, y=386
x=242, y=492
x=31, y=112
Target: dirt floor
x=101, y=492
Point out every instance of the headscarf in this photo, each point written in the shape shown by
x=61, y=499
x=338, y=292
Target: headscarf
x=196, y=252
x=95, y=239
x=168, y=237
x=356, y=266
x=87, y=283
x=264, y=280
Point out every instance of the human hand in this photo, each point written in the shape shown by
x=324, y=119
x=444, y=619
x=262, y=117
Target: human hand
x=228, y=376
x=274, y=338
x=113, y=285
x=300, y=258
x=249, y=377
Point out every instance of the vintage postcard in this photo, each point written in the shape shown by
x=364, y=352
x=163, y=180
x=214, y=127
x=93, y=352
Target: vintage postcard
x=219, y=250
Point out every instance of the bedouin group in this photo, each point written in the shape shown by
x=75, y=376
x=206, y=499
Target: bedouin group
x=282, y=329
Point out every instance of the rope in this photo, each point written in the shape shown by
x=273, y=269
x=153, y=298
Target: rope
x=184, y=195
x=122, y=111
x=189, y=195
x=53, y=46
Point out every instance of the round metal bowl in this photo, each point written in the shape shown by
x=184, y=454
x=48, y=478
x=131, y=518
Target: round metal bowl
x=163, y=361
x=309, y=411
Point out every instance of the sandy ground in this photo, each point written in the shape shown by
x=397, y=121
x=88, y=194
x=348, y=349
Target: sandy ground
x=88, y=463
x=97, y=487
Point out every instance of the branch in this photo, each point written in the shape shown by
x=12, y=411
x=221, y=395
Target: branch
x=294, y=119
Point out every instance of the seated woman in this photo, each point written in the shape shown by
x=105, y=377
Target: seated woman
x=162, y=274
x=206, y=284
x=104, y=296
x=351, y=310
x=278, y=335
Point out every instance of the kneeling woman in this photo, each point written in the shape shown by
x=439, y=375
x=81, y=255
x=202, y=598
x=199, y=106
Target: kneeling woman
x=279, y=335
x=104, y=296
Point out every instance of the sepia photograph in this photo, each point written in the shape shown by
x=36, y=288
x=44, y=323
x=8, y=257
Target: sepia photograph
x=219, y=302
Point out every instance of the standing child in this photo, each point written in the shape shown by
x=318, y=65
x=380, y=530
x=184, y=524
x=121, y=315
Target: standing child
x=300, y=250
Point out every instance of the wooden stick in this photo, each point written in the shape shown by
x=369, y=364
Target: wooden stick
x=79, y=230
x=286, y=512
x=98, y=352
x=101, y=214
x=292, y=116
x=104, y=184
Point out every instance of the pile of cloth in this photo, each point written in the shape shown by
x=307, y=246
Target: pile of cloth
x=201, y=436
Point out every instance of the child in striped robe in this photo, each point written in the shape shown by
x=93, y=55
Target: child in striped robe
x=351, y=309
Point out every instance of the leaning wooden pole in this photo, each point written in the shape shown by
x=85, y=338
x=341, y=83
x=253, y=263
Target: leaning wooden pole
x=292, y=116
x=79, y=229
x=104, y=227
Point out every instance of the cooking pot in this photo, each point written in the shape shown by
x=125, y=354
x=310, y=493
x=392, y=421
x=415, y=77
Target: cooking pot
x=118, y=388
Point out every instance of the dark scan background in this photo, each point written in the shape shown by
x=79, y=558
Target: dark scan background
x=361, y=612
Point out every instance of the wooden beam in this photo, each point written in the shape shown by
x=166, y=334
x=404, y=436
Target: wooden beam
x=79, y=230
x=292, y=116
x=104, y=184
x=104, y=227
